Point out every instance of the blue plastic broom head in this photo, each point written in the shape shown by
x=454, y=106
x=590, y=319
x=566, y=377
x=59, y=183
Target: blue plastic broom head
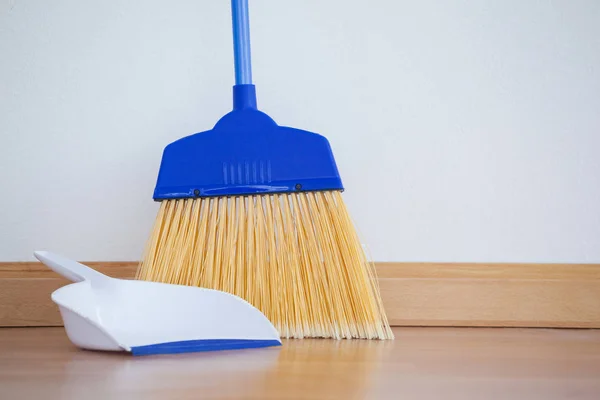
x=246, y=153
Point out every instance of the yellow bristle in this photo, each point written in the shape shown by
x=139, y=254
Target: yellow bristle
x=296, y=257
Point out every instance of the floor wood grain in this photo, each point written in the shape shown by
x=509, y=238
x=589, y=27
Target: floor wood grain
x=422, y=363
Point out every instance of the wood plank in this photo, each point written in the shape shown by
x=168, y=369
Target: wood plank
x=25, y=290
x=421, y=294
x=423, y=363
x=502, y=295
x=36, y=269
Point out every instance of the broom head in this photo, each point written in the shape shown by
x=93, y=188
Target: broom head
x=255, y=209
x=246, y=153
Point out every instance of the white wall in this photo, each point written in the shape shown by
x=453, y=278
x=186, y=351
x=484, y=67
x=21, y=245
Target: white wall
x=464, y=130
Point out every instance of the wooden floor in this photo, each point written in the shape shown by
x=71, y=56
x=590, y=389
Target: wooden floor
x=422, y=363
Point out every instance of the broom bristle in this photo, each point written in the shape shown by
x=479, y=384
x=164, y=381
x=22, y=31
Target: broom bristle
x=296, y=257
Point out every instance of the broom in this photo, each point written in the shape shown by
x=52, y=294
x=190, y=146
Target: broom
x=255, y=209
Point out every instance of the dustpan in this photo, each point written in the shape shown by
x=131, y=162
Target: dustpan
x=104, y=313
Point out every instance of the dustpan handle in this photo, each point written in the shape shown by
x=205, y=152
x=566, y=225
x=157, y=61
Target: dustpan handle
x=72, y=270
x=241, y=42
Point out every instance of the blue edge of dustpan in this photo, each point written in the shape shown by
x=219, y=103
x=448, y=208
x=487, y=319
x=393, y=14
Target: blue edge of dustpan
x=188, y=346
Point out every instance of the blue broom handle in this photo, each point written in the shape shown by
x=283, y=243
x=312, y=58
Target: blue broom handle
x=241, y=42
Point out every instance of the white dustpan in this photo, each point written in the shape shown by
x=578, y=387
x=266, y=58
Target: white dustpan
x=104, y=313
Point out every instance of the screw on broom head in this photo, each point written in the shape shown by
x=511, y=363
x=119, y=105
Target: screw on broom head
x=254, y=209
